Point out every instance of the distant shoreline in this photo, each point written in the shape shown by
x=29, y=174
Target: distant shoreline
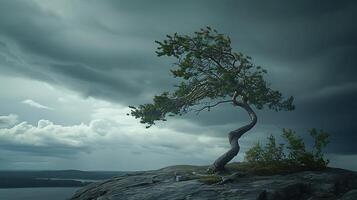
x=33, y=182
x=47, y=179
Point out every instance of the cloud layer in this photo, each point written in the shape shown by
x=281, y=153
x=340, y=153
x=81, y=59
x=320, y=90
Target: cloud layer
x=109, y=129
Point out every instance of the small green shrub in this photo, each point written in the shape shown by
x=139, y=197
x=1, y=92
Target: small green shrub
x=271, y=153
x=272, y=156
x=255, y=154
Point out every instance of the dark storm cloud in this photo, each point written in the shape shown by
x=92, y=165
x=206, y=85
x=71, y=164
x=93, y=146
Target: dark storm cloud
x=105, y=49
x=94, y=79
x=110, y=66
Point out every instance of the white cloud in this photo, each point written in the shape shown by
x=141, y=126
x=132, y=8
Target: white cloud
x=109, y=128
x=8, y=120
x=35, y=104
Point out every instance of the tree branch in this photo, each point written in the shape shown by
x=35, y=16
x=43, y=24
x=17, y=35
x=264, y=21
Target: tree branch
x=211, y=106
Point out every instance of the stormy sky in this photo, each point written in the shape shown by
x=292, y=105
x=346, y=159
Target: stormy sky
x=70, y=69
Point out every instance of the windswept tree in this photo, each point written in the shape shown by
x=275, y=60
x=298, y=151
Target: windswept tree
x=211, y=74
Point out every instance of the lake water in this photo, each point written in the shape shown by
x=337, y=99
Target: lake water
x=37, y=193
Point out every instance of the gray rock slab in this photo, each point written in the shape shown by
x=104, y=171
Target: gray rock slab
x=330, y=184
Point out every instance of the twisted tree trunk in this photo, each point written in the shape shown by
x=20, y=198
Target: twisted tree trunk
x=233, y=137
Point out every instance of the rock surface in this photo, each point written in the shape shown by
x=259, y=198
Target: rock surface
x=164, y=184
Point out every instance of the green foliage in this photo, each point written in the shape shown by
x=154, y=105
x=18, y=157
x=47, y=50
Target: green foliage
x=321, y=140
x=254, y=154
x=296, y=147
x=148, y=113
x=272, y=156
x=209, y=71
x=271, y=153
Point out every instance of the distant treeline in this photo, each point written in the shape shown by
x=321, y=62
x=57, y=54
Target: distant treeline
x=63, y=174
x=28, y=182
x=21, y=179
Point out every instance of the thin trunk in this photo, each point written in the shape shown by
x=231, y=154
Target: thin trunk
x=233, y=137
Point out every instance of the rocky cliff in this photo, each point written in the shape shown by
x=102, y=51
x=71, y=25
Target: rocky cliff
x=190, y=182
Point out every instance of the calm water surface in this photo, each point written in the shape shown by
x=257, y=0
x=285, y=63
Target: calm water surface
x=37, y=193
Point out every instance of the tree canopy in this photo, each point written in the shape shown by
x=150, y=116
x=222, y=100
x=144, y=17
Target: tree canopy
x=210, y=73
